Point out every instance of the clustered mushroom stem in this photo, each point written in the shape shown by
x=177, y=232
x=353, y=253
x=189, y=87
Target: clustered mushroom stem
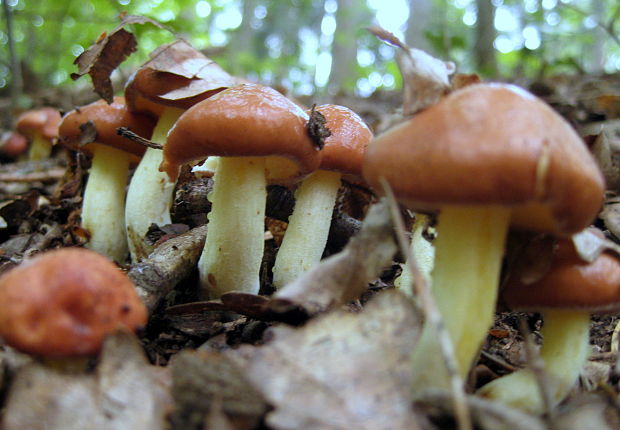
x=422, y=251
x=308, y=227
x=564, y=352
x=150, y=193
x=103, y=213
x=233, y=250
x=469, y=249
x=40, y=148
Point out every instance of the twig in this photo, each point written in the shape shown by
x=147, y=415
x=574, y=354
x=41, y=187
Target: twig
x=433, y=317
x=128, y=134
x=50, y=175
x=608, y=28
x=496, y=360
x=537, y=367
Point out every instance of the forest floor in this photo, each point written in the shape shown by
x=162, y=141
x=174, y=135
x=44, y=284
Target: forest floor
x=298, y=359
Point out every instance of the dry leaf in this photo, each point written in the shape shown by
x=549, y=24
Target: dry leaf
x=611, y=215
x=601, y=149
x=122, y=395
x=426, y=79
x=207, y=384
x=179, y=58
x=590, y=243
x=486, y=415
x=588, y=411
x=339, y=371
x=345, y=276
x=108, y=52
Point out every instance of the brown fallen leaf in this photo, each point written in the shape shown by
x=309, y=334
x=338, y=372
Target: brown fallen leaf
x=588, y=411
x=208, y=386
x=486, y=415
x=341, y=370
x=611, y=215
x=123, y=394
x=604, y=156
x=426, y=79
x=343, y=277
x=202, y=76
x=107, y=53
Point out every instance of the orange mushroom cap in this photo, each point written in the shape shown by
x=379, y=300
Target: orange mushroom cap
x=106, y=119
x=345, y=147
x=13, y=144
x=246, y=120
x=570, y=283
x=44, y=121
x=491, y=144
x=64, y=302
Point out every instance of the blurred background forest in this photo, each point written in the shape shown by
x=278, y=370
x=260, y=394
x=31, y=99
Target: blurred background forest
x=313, y=47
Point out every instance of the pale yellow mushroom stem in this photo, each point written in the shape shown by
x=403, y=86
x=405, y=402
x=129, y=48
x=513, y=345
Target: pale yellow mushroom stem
x=422, y=251
x=233, y=250
x=469, y=249
x=40, y=148
x=149, y=197
x=103, y=209
x=564, y=352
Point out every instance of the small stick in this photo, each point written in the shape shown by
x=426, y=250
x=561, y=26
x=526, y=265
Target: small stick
x=50, y=175
x=128, y=134
x=433, y=317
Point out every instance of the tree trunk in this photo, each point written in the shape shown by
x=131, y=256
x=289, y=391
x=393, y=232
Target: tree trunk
x=344, y=47
x=485, y=36
x=420, y=21
x=16, y=73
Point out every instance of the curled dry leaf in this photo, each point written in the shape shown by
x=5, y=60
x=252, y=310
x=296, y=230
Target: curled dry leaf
x=344, y=276
x=426, y=79
x=181, y=59
x=123, y=394
x=339, y=371
x=107, y=53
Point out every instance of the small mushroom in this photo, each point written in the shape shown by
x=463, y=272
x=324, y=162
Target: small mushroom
x=566, y=295
x=41, y=127
x=64, y=302
x=308, y=226
x=257, y=133
x=103, y=213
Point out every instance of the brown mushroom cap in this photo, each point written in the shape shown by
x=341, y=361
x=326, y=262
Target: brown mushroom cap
x=182, y=80
x=570, y=283
x=64, y=302
x=345, y=147
x=491, y=144
x=106, y=119
x=44, y=121
x=246, y=120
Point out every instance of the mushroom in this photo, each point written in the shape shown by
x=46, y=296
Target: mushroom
x=103, y=213
x=566, y=295
x=41, y=127
x=64, y=302
x=257, y=133
x=308, y=226
x=164, y=95
x=13, y=144
x=486, y=156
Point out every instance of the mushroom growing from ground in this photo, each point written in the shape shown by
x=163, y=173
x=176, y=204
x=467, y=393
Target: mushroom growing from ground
x=486, y=156
x=41, y=127
x=177, y=77
x=566, y=295
x=103, y=213
x=308, y=225
x=257, y=133
x=64, y=302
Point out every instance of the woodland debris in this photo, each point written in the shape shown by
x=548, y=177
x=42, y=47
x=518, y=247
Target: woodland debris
x=168, y=264
x=123, y=394
x=345, y=276
x=107, y=53
x=207, y=382
x=341, y=370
